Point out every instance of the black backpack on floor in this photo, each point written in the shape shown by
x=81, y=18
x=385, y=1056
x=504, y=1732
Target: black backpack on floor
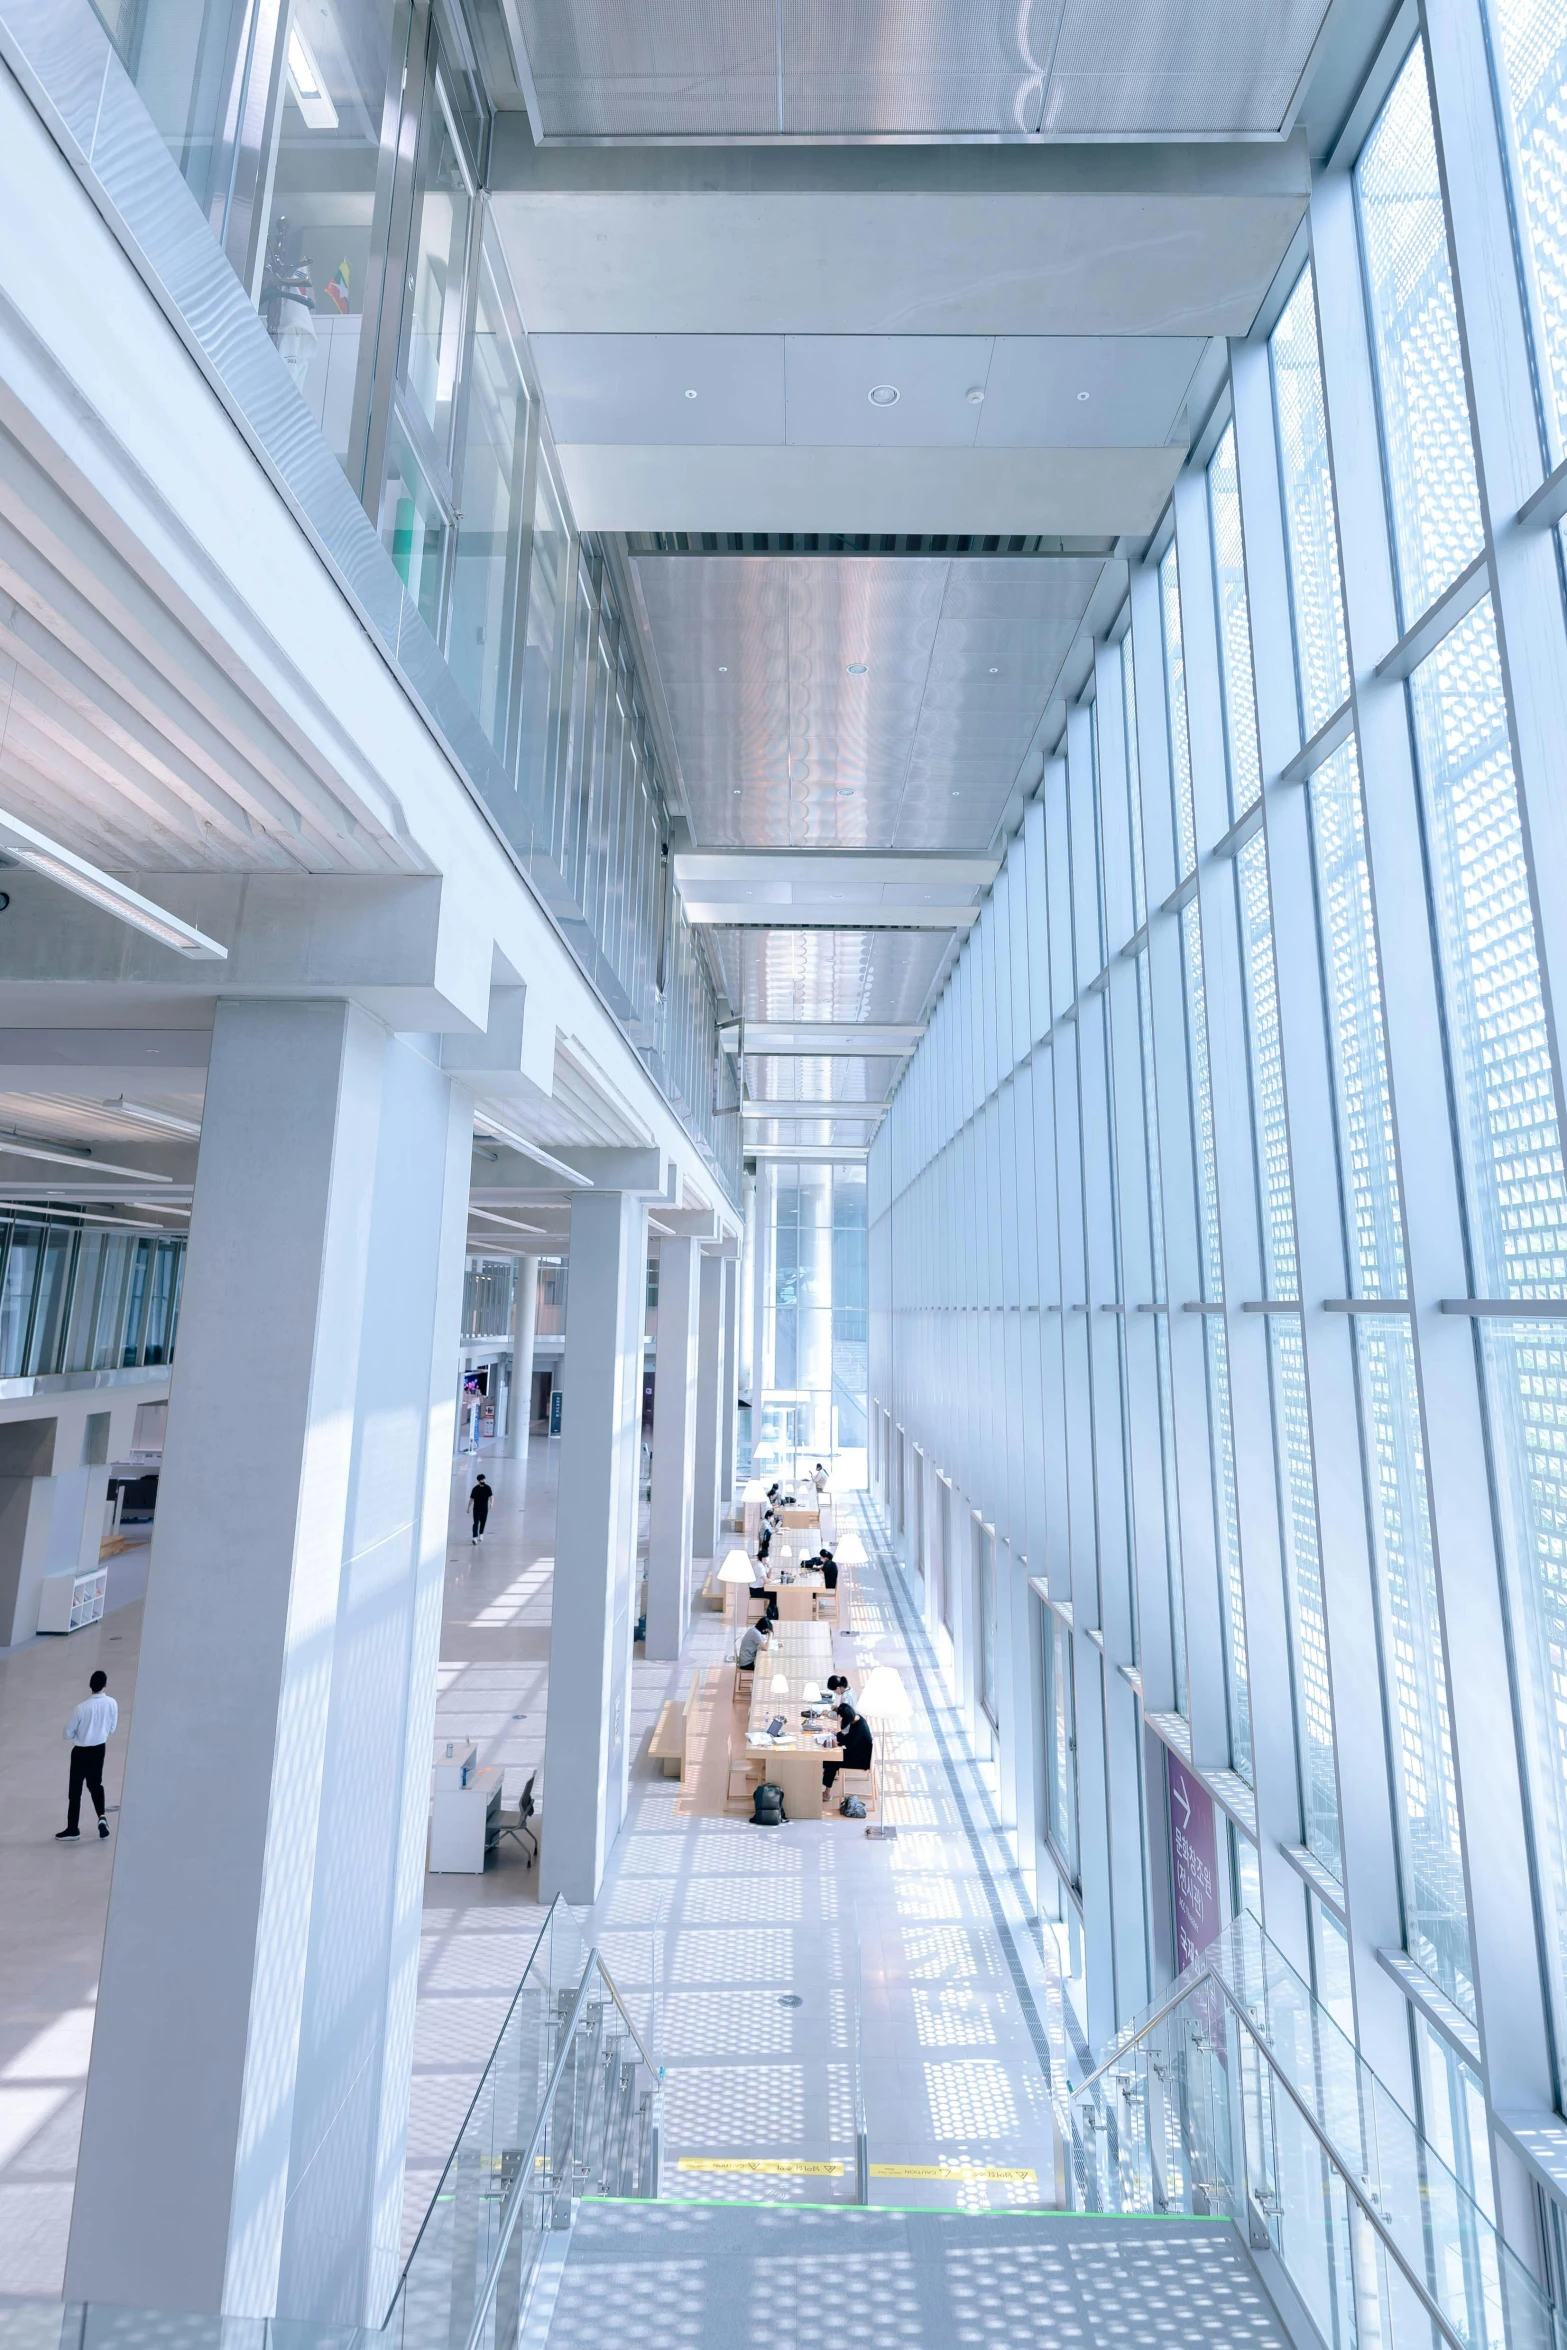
x=767, y=1806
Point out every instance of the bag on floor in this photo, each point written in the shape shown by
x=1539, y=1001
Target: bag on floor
x=767, y=1806
x=851, y=1808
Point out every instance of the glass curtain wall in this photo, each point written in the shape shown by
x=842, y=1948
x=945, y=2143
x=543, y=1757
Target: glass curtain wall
x=812, y=1355
x=77, y=1297
x=339, y=150
x=1330, y=935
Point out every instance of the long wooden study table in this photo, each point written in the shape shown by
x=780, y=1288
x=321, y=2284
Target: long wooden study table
x=802, y=1655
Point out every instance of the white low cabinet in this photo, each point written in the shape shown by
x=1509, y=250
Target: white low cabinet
x=67, y=1602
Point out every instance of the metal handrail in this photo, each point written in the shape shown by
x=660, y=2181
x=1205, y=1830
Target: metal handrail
x=1390, y=2244
x=525, y=2169
x=1186, y=1985
x=656, y=2070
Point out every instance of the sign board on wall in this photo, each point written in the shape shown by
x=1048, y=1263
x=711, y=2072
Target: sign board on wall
x=1194, y=1855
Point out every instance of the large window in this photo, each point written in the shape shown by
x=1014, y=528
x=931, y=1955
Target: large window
x=1420, y=379
x=813, y=1340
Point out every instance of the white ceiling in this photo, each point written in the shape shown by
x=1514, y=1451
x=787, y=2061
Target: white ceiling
x=916, y=68
x=812, y=391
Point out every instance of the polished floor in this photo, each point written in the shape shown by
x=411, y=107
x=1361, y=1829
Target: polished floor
x=787, y=1979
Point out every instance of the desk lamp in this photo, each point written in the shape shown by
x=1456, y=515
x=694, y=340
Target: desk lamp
x=780, y=1685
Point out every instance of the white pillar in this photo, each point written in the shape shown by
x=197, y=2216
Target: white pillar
x=524, y=1325
x=711, y=1379
x=670, y=1527
x=730, y=1384
x=584, y=1792
x=247, y=2097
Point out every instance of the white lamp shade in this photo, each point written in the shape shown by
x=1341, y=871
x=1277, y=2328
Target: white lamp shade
x=780, y=1684
x=883, y=1697
x=735, y=1569
x=810, y=1694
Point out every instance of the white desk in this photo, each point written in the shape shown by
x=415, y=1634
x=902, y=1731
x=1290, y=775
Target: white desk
x=464, y=1813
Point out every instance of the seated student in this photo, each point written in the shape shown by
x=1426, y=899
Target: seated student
x=854, y=1736
x=819, y=1479
x=829, y=1567
x=764, y=1543
x=838, y=1689
x=754, y=1638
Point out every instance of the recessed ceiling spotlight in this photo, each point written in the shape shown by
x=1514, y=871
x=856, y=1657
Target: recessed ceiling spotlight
x=883, y=395
x=1081, y=395
x=735, y=794
x=858, y=668
x=975, y=395
x=994, y=671
x=957, y=795
x=690, y=395
x=723, y=669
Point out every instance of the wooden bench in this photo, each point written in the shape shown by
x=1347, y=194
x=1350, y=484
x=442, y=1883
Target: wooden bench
x=670, y=1743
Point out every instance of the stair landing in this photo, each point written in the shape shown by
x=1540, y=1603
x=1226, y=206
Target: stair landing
x=686, y=2276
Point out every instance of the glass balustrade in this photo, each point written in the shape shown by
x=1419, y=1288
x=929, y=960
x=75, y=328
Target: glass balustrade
x=1239, y=2095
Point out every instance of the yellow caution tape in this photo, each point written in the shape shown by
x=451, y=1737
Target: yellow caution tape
x=765, y=2165
x=990, y=2172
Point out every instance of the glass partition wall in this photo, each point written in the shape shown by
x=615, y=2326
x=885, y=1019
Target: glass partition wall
x=338, y=150
x=1277, y=1478
x=809, y=1392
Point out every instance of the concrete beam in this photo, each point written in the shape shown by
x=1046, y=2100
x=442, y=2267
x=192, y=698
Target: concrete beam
x=834, y=1038
x=405, y=948
x=1131, y=238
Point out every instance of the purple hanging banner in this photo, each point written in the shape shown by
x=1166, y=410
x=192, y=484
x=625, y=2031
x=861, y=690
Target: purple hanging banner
x=1194, y=1854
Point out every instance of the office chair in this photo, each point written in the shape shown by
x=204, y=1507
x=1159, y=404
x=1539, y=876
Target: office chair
x=517, y=1828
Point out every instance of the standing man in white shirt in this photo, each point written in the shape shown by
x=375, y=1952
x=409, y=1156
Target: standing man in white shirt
x=89, y=1730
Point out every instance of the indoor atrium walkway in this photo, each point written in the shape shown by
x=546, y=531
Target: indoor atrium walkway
x=746, y=1951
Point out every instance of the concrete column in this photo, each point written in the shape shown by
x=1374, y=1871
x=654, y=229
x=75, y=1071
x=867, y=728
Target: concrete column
x=675, y=1391
x=584, y=1793
x=711, y=1381
x=524, y=1325
x=729, y=1382
x=247, y=2097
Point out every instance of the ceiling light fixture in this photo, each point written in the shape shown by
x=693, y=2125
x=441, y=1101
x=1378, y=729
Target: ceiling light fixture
x=164, y=1120
x=883, y=395
x=72, y=872
x=723, y=669
x=85, y=1166
x=858, y=668
x=994, y=671
x=690, y=395
x=1082, y=395
x=493, y=1129
x=975, y=395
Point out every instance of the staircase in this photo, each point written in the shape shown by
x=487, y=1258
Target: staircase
x=738, y=2277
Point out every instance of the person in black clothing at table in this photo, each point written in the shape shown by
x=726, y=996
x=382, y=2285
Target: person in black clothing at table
x=829, y=1567
x=854, y=1736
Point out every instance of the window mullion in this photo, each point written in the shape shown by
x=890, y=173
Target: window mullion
x=1370, y=1858
x=1490, y=1796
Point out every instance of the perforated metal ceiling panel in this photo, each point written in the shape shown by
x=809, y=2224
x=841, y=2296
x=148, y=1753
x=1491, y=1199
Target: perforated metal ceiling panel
x=916, y=68
x=883, y=977
x=856, y=704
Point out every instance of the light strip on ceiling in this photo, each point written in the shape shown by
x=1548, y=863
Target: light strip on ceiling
x=46, y=856
x=164, y=1120
x=57, y=1158
x=495, y=1132
x=488, y=1216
